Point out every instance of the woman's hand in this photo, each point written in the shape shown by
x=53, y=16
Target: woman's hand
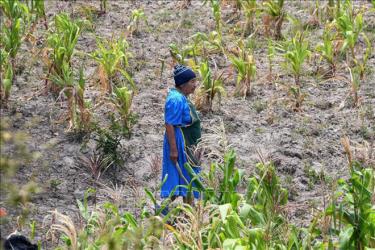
x=173, y=155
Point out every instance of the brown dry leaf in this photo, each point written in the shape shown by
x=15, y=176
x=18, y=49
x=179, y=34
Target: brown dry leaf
x=104, y=83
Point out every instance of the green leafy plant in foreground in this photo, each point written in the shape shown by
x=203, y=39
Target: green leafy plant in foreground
x=227, y=219
x=266, y=197
x=352, y=207
x=226, y=190
x=354, y=217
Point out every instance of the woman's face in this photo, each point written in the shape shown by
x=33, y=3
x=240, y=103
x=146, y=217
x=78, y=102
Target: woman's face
x=191, y=86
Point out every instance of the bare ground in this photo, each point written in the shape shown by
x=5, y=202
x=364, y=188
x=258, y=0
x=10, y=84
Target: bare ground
x=299, y=143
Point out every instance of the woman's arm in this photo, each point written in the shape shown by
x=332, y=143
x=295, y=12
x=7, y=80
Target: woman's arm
x=172, y=143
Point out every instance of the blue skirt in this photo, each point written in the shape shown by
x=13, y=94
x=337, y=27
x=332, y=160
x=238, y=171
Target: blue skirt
x=174, y=179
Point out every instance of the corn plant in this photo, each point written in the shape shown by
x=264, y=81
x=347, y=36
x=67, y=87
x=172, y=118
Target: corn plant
x=11, y=37
x=355, y=82
x=352, y=211
x=275, y=14
x=13, y=27
x=65, y=82
x=106, y=226
x=211, y=86
x=137, y=16
x=61, y=45
x=13, y=8
x=297, y=96
x=296, y=51
x=216, y=11
x=231, y=179
x=6, y=71
x=245, y=66
x=265, y=196
x=207, y=226
x=204, y=45
x=197, y=46
x=37, y=8
x=250, y=8
x=83, y=105
x=362, y=64
x=181, y=55
x=330, y=9
x=327, y=51
x=79, y=115
x=350, y=28
x=122, y=99
x=112, y=57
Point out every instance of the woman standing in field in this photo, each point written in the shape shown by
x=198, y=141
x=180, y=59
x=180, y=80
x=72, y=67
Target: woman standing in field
x=183, y=130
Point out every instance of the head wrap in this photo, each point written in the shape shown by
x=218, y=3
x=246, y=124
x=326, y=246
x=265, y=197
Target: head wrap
x=182, y=74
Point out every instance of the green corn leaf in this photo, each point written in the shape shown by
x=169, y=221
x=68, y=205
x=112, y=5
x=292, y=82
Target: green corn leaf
x=345, y=238
x=130, y=219
x=7, y=83
x=129, y=79
x=150, y=195
x=224, y=209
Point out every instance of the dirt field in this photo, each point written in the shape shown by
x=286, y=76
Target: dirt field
x=301, y=144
